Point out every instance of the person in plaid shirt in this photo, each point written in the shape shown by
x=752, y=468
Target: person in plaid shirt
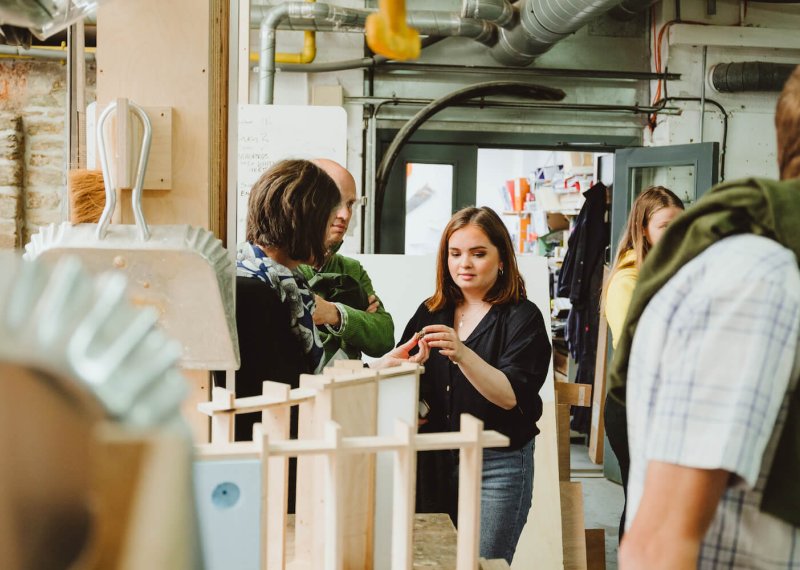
x=712, y=377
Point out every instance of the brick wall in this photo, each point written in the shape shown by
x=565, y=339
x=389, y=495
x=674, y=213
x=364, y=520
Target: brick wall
x=12, y=153
x=33, y=150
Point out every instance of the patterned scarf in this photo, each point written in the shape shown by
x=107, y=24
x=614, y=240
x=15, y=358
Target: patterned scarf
x=292, y=288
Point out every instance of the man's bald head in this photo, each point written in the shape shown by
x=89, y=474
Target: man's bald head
x=344, y=180
x=347, y=188
x=787, y=124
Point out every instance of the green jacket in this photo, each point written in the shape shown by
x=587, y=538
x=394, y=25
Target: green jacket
x=359, y=331
x=756, y=206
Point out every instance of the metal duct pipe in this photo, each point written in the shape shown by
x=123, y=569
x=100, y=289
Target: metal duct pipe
x=750, y=76
x=345, y=19
x=542, y=23
x=324, y=14
x=430, y=23
x=499, y=12
x=427, y=23
x=301, y=15
x=628, y=9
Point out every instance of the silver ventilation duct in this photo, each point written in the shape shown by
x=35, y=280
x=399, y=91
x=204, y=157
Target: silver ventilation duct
x=542, y=23
x=319, y=16
x=499, y=12
x=429, y=23
x=628, y=9
x=750, y=76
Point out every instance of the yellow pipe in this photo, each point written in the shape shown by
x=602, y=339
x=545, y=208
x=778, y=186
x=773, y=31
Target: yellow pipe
x=306, y=56
x=389, y=35
x=62, y=47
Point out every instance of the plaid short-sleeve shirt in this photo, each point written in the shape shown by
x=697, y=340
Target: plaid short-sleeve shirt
x=713, y=362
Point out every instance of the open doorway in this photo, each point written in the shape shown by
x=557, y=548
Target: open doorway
x=437, y=173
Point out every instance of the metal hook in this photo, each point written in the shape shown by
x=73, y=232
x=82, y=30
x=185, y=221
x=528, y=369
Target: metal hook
x=110, y=180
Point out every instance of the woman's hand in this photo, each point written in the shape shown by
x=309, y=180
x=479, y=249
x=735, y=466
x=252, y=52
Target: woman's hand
x=401, y=354
x=446, y=340
x=325, y=313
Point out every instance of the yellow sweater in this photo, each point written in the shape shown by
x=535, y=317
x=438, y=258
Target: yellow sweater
x=620, y=291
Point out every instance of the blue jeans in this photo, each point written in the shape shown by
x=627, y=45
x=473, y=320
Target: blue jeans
x=506, y=493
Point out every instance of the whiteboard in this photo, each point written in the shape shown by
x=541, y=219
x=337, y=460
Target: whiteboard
x=270, y=133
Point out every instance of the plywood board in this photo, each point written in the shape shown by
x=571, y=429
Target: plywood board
x=198, y=383
x=397, y=400
x=573, y=526
x=156, y=54
x=574, y=394
x=133, y=41
x=595, y=549
x=598, y=430
x=354, y=408
x=562, y=437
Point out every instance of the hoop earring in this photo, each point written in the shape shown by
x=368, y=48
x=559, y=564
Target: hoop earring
x=500, y=272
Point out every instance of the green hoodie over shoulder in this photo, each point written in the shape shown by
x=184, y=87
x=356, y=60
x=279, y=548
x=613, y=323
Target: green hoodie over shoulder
x=758, y=206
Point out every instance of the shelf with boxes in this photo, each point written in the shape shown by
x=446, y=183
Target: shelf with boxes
x=518, y=202
x=546, y=201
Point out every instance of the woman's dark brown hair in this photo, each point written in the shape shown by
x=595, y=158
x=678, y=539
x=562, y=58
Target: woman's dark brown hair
x=290, y=207
x=509, y=287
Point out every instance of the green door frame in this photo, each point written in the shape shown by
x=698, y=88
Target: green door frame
x=460, y=148
x=704, y=157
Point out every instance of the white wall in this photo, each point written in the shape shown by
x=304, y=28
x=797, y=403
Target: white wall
x=751, y=149
x=296, y=89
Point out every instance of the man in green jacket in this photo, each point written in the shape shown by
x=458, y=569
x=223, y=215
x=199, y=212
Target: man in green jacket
x=349, y=316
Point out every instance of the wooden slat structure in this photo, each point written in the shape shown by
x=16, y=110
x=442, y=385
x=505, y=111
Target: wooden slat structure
x=336, y=476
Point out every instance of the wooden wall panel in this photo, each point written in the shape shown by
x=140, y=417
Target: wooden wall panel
x=157, y=54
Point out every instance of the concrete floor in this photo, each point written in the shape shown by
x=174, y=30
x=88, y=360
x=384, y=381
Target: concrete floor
x=602, y=499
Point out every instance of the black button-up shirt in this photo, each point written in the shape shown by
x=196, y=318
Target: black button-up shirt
x=510, y=337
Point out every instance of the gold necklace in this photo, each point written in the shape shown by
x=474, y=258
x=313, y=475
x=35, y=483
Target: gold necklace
x=463, y=314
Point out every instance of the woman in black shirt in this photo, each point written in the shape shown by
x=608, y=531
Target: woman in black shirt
x=493, y=356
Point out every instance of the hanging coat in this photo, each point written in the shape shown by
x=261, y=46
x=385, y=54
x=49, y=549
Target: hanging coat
x=581, y=280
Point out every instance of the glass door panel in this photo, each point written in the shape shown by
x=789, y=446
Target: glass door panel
x=689, y=170
x=429, y=199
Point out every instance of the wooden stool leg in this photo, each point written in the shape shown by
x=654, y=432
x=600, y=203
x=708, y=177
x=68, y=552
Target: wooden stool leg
x=276, y=423
x=469, y=495
x=405, y=472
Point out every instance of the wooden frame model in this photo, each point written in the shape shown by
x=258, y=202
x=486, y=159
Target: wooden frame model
x=336, y=410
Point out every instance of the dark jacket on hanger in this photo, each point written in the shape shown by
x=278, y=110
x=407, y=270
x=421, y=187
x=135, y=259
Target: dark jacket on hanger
x=581, y=280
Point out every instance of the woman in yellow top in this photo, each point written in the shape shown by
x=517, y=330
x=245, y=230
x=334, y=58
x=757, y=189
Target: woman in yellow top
x=651, y=213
